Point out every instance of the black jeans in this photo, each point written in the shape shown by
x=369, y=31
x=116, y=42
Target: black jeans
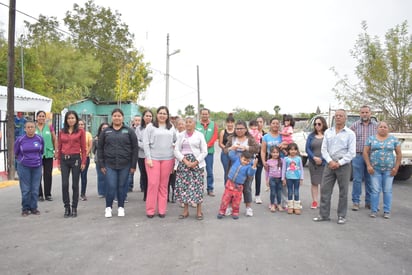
x=47, y=177
x=143, y=176
x=67, y=165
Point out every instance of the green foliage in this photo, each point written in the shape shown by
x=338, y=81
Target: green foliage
x=100, y=32
x=384, y=73
x=189, y=110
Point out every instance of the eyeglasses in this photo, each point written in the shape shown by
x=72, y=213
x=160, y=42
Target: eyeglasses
x=317, y=124
x=238, y=129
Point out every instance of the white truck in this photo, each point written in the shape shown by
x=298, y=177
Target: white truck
x=404, y=172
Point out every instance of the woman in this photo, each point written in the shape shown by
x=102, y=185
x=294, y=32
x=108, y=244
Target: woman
x=316, y=162
x=117, y=153
x=190, y=150
x=50, y=151
x=273, y=138
x=382, y=166
x=147, y=119
x=223, y=137
x=101, y=184
x=258, y=175
x=29, y=155
x=72, y=158
x=239, y=142
x=158, y=140
x=83, y=173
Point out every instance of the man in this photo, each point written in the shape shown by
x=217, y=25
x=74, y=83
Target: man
x=338, y=149
x=210, y=131
x=363, y=128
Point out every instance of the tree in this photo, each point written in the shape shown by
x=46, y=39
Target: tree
x=384, y=73
x=189, y=110
x=277, y=110
x=100, y=32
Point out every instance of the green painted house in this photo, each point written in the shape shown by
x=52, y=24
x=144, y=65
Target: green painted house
x=94, y=113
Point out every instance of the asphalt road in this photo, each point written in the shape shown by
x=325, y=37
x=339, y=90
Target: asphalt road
x=268, y=243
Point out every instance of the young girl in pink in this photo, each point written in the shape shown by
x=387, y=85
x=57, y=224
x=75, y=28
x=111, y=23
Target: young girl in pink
x=274, y=175
x=287, y=132
x=254, y=131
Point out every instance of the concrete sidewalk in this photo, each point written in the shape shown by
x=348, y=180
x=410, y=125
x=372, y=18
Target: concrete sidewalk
x=268, y=243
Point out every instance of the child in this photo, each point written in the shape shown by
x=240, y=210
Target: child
x=242, y=168
x=274, y=174
x=254, y=132
x=292, y=175
x=287, y=132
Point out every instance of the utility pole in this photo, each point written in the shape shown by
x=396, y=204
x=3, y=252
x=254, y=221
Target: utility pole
x=10, y=91
x=167, y=69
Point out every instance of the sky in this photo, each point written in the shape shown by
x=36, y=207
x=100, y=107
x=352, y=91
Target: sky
x=251, y=55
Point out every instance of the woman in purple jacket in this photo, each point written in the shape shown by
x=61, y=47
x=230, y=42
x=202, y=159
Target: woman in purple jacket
x=29, y=155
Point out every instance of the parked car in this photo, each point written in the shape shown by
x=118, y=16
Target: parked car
x=405, y=170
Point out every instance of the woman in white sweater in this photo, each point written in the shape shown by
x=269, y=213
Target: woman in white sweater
x=190, y=151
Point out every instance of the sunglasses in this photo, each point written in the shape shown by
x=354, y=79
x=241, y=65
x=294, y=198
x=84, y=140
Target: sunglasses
x=317, y=124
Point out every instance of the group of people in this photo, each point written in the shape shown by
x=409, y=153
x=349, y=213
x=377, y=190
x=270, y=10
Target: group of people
x=166, y=155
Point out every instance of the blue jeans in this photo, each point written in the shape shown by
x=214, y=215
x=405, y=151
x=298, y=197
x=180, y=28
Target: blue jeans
x=209, y=171
x=115, y=181
x=275, y=190
x=293, y=189
x=130, y=182
x=360, y=173
x=29, y=178
x=83, y=177
x=224, y=158
x=381, y=181
x=258, y=179
x=101, y=182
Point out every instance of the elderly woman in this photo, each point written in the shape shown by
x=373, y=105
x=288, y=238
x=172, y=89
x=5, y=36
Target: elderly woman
x=29, y=154
x=382, y=165
x=241, y=141
x=190, y=151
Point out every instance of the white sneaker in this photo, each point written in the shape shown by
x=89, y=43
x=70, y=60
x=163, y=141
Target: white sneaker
x=228, y=211
x=120, y=212
x=108, y=212
x=258, y=200
x=249, y=212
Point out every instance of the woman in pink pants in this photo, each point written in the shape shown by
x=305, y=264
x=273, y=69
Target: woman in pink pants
x=158, y=140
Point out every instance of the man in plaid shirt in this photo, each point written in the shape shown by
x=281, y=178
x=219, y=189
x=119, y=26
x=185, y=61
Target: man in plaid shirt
x=363, y=128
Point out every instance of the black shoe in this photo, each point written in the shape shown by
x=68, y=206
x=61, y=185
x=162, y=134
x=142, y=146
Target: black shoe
x=67, y=212
x=150, y=216
x=49, y=198
x=162, y=215
x=41, y=198
x=74, y=212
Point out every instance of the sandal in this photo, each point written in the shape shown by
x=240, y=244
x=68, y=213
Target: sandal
x=183, y=216
x=199, y=217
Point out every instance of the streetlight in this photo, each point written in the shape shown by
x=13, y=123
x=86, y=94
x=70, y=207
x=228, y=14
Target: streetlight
x=168, y=55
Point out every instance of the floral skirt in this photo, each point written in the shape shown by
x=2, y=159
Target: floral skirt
x=189, y=182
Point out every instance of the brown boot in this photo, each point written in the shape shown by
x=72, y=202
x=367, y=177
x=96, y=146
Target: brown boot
x=290, y=207
x=297, y=207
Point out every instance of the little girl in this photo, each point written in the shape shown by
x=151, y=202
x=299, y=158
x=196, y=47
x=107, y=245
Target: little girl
x=274, y=173
x=292, y=176
x=253, y=130
x=287, y=131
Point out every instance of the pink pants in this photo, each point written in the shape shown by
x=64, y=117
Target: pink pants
x=157, y=183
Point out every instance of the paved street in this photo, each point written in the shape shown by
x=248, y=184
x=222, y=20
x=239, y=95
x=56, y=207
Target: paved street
x=268, y=243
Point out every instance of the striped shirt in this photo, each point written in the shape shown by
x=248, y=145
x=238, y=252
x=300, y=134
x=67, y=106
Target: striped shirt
x=362, y=132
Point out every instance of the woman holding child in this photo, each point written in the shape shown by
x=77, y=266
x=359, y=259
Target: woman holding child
x=241, y=141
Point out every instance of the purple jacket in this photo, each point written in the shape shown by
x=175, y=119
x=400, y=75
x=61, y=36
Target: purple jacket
x=29, y=150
